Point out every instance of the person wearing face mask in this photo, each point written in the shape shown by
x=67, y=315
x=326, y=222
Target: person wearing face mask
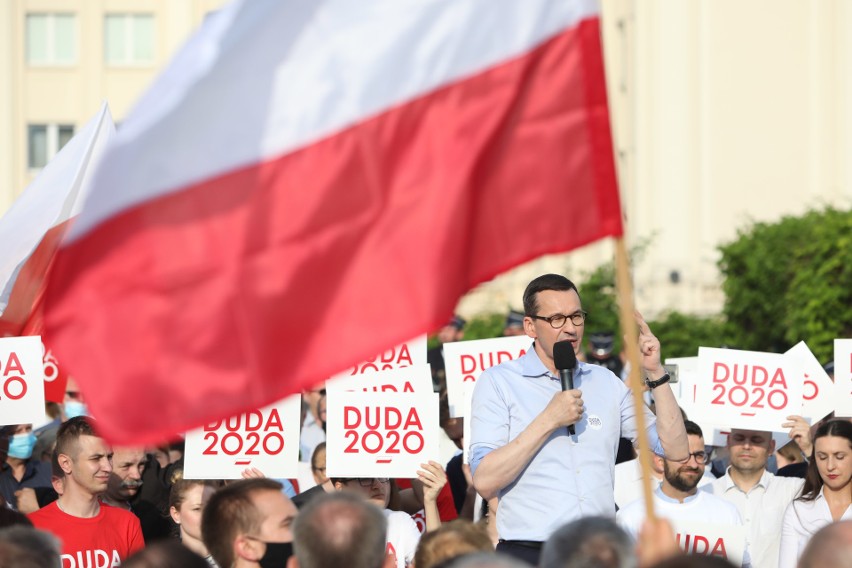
x=248, y=523
x=24, y=481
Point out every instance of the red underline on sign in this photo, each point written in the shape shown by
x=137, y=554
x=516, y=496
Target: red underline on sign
x=383, y=461
x=242, y=462
x=747, y=413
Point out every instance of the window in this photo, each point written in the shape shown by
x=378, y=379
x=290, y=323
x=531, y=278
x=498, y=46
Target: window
x=44, y=141
x=51, y=39
x=129, y=39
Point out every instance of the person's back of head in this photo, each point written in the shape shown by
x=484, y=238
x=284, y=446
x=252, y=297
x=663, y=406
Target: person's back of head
x=694, y=561
x=591, y=542
x=165, y=554
x=340, y=529
x=21, y=545
x=484, y=560
x=453, y=539
x=231, y=512
x=830, y=547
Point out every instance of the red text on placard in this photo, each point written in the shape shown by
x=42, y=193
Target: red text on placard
x=749, y=386
x=383, y=430
x=472, y=365
x=14, y=385
x=697, y=544
x=250, y=439
x=393, y=358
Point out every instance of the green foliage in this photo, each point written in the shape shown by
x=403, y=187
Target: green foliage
x=598, y=296
x=681, y=334
x=790, y=281
x=485, y=326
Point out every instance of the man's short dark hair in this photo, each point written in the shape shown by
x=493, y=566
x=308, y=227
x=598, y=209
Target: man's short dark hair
x=693, y=428
x=340, y=529
x=25, y=546
x=70, y=432
x=229, y=512
x=592, y=541
x=544, y=282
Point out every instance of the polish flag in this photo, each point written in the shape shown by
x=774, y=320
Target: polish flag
x=31, y=231
x=310, y=182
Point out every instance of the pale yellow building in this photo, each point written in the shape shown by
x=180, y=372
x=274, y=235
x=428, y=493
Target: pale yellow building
x=725, y=111
x=60, y=58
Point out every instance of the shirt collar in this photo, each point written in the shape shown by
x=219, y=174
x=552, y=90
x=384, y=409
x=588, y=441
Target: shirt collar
x=531, y=365
x=663, y=497
x=763, y=482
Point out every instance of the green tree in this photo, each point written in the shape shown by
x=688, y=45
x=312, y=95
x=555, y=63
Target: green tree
x=790, y=281
x=681, y=334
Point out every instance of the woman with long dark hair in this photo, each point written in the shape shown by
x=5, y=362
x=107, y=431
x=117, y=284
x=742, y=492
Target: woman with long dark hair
x=827, y=493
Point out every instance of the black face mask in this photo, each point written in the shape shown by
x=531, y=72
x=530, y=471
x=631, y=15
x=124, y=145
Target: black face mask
x=276, y=555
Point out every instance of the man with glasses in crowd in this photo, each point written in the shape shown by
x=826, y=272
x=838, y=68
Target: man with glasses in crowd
x=521, y=451
x=678, y=497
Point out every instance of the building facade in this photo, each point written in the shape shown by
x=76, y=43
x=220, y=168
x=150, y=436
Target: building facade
x=723, y=112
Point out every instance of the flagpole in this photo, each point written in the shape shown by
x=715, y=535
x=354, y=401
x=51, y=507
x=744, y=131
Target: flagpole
x=624, y=288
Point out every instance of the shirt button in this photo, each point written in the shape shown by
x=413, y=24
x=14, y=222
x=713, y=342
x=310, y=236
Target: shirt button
x=578, y=471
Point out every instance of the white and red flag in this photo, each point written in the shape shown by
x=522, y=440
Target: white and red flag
x=33, y=227
x=309, y=183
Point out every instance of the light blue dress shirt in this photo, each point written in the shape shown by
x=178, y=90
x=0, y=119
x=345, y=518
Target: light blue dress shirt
x=569, y=477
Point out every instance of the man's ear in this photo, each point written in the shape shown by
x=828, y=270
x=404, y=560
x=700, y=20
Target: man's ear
x=247, y=548
x=529, y=327
x=64, y=462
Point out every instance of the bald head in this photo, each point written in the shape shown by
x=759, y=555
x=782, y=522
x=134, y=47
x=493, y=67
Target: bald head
x=340, y=529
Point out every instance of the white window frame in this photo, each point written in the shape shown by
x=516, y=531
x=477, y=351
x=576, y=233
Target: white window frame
x=50, y=23
x=128, y=37
x=51, y=142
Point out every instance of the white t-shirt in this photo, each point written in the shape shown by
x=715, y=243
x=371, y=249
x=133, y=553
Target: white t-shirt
x=403, y=537
x=628, y=482
x=761, y=510
x=801, y=520
x=701, y=507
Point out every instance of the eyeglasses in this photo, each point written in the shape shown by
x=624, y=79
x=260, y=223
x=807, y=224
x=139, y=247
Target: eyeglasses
x=557, y=321
x=700, y=457
x=366, y=481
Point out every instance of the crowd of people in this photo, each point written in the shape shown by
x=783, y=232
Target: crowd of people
x=542, y=488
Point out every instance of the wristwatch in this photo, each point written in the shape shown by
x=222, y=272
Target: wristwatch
x=654, y=384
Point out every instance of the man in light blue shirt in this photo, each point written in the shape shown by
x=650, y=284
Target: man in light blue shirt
x=520, y=450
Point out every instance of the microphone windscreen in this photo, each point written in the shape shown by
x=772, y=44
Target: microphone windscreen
x=563, y=355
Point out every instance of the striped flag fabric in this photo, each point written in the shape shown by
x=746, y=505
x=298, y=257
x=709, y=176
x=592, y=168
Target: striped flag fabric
x=310, y=182
x=33, y=227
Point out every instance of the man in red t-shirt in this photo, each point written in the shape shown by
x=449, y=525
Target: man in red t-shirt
x=92, y=533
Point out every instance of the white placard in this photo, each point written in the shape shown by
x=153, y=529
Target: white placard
x=407, y=354
x=468, y=404
x=266, y=439
x=709, y=539
x=745, y=389
x=371, y=434
x=417, y=378
x=464, y=361
x=817, y=388
x=843, y=377
x=21, y=380
x=688, y=375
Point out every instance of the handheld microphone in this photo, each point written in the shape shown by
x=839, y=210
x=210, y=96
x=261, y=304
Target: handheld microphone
x=565, y=361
